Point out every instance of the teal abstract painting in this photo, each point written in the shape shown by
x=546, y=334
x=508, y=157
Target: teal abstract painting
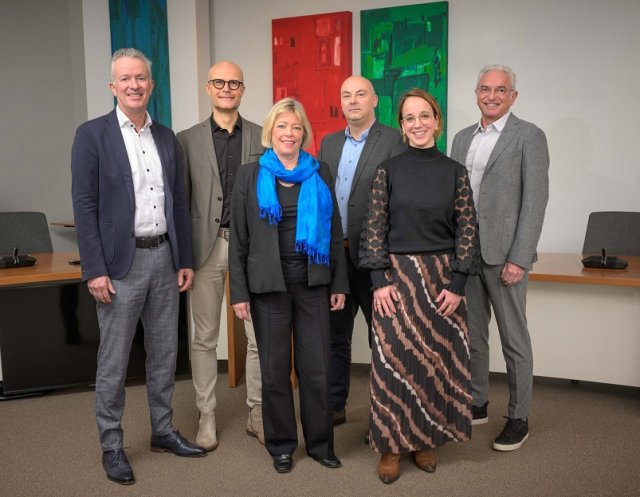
x=142, y=24
x=402, y=48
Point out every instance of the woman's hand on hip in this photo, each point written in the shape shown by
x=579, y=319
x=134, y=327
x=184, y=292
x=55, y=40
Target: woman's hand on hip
x=449, y=302
x=384, y=299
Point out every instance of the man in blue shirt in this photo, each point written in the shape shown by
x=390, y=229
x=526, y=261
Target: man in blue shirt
x=353, y=155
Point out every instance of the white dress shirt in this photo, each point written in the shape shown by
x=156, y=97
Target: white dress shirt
x=146, y=170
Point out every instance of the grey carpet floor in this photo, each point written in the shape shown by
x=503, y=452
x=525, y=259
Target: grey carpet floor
x=585, y=441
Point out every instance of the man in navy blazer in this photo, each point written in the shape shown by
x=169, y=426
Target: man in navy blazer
x=134, y=237
x=353, y=155
x=508, y=163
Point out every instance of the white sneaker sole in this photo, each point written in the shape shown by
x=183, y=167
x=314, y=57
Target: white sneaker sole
x=510, y=447
x=480, y=421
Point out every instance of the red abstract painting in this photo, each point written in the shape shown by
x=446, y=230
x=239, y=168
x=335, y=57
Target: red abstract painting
x=311, y=59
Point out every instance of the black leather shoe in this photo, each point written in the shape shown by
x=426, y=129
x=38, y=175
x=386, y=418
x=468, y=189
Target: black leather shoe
x=117, y=467
x=339, y=417
x=176, y=443
x=283, y=463
x=331, y=462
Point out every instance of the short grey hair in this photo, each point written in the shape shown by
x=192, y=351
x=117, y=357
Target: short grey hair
x=499, y=67
x=130, y=52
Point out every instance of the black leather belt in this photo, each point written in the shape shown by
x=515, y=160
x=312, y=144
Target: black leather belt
x=151, y=241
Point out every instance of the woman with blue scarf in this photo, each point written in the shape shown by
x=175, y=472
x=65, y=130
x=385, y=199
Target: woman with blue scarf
x=287, y=272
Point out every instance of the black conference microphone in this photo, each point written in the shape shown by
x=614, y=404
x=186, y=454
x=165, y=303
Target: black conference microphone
x=15, y=260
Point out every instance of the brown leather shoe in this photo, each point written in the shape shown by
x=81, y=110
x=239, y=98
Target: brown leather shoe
x=425, y=460
x=389, y=467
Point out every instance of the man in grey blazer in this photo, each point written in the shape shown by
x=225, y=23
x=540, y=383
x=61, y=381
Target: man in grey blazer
x=508, y=163
x=213, y=150
x=353, y=155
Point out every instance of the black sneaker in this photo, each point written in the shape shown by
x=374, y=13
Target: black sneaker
x=480, y=415
x=514, y=434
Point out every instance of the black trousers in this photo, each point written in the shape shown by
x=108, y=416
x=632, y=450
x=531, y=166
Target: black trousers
x=304, y=311
x=361, y=297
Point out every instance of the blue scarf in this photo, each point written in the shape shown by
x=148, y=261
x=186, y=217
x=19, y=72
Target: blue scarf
x=315, y=206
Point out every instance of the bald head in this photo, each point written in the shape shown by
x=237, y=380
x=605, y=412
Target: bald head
x=226, y=67
x=225, y=100
x=358, y=99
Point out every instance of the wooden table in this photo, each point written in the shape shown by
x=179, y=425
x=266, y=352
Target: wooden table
x=584, y=323
x=55, y=267
x=568, y=268
x=52, y=266
x=49, y=333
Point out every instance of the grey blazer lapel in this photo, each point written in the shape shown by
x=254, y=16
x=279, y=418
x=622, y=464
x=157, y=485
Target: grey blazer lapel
x=506, y=137
x=465, y=143
x=207, y=140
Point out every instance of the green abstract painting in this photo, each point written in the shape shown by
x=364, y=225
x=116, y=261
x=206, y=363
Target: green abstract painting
x=142, y=24
x=402, y=48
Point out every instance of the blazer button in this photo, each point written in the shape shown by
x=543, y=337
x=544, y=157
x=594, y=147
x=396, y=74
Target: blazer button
x=217, y=220
x=219, y=199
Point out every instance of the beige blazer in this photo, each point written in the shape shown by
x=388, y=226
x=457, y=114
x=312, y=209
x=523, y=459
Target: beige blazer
x=202, y=180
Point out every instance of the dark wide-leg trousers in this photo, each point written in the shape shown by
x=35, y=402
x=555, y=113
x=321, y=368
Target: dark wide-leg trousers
x=303, y=311
x=342, y=321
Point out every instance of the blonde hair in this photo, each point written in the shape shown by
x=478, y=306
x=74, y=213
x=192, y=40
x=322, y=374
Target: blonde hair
x=286, y=105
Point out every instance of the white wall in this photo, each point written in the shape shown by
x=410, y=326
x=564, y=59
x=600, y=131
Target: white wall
x=578, y=67
x=189, y=55
x=41, y=97
x=577, y=61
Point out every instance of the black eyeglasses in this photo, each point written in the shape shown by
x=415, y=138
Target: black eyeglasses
x=234, y=84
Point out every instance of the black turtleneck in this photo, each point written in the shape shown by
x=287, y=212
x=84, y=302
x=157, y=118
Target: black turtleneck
x=413, y=211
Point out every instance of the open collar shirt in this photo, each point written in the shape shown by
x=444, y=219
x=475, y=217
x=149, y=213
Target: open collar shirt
x=146, y=171
x=351, y=151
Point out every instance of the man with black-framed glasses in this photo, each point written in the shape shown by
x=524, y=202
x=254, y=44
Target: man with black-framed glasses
x=213, y=150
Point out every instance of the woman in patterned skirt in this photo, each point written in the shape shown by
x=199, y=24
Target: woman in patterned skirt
x=419, y=241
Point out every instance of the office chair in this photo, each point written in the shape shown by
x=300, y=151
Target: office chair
x=28, y=231
x=618, y=232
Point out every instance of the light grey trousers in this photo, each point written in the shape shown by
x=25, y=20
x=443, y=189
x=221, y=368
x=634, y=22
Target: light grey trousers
x=148, y=292
x=484, y=292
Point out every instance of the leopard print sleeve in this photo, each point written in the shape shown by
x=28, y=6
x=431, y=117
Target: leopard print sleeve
x=374, y=248
x=466, y=235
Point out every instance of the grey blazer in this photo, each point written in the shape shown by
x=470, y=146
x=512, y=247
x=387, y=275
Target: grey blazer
x=254, y=251
x=383, y=142
x=202, y=180
x=513, y=192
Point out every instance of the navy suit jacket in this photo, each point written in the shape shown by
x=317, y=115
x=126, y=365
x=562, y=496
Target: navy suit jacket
x=383, y=142
x=104, y=198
